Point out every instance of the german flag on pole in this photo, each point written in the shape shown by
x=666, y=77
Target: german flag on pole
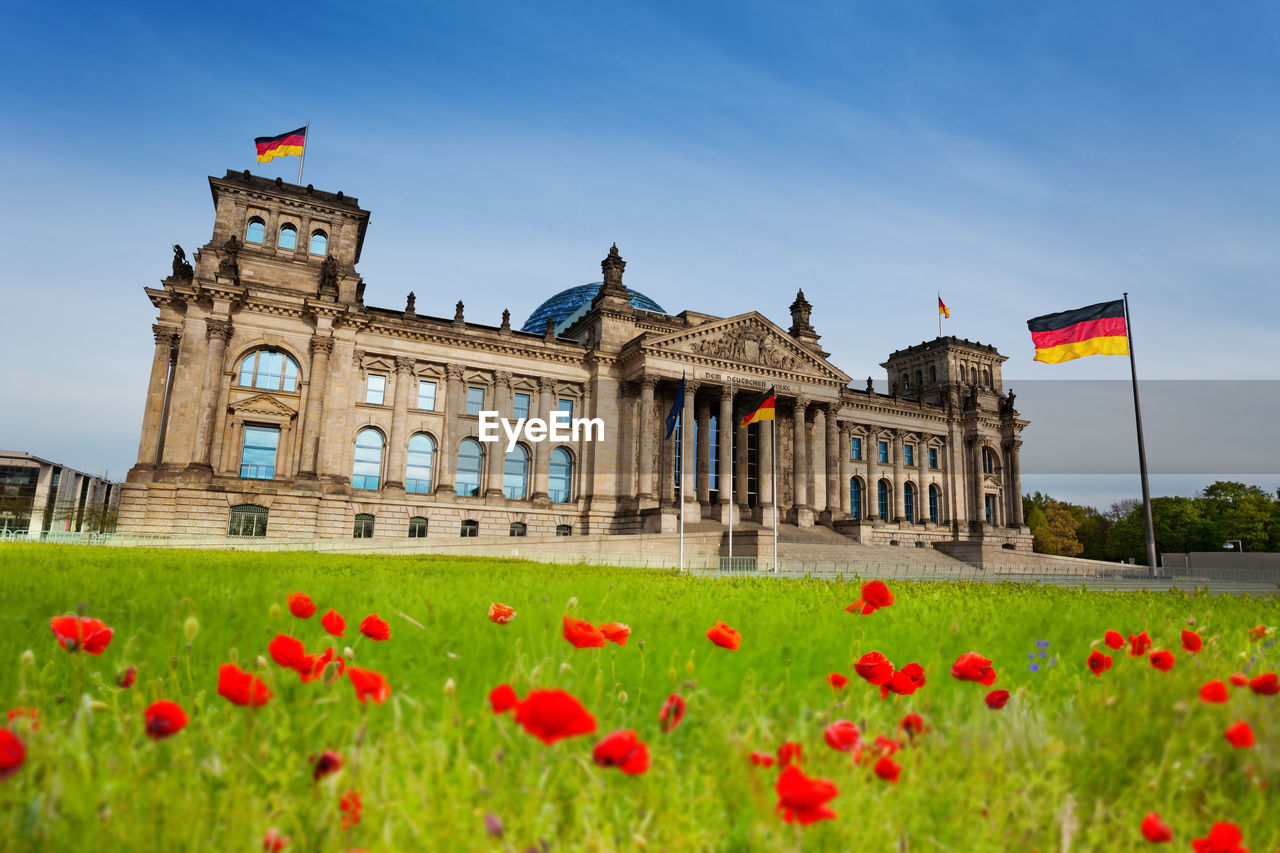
x=760, y=409
x=270, y=147
x=1092, y=330
x=943, y=309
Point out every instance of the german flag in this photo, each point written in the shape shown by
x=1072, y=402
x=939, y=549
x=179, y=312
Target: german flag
x=943, y=309
x=283, y=145
x=760, y=409
x=1092, y=330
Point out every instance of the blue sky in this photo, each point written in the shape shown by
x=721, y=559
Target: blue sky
x=1020, y=158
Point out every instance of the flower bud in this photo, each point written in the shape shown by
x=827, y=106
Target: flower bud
x=564, y=667
x=262, y=663
x=622, y=696
x=571, y=603
x=28, y=658
x=274, y=611
x=450, y=688
x=331, y=672
x=348, y=652
x=191, y=627
x=98, y=705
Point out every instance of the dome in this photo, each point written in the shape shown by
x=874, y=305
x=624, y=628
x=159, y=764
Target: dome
x=570, y=304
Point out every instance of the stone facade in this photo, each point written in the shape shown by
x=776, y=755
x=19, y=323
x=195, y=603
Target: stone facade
x=39, y=498
x=276, y=394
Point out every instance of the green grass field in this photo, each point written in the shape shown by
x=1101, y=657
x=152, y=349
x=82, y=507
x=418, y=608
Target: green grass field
x=1073, y=761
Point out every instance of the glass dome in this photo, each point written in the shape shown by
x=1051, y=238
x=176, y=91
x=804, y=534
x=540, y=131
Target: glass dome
x=568, y=305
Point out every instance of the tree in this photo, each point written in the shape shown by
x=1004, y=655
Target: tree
x=1057, y=535
x=1237, y=511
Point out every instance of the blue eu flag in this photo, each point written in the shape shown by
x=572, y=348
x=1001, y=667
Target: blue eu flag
x=676, y=408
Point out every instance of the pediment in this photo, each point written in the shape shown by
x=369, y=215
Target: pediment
x=263, y=405
x=748, y=340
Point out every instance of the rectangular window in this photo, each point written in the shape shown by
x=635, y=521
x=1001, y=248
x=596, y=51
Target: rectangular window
x=475, y=400
x=565, y=406
x=520, y=407
x=883, y=447
x=258, y=456
x=989, y=503
x=908, y=454
x=933, y=457
x=417, y=527
x=375, y=390
x=427, y=396
x=855, y=450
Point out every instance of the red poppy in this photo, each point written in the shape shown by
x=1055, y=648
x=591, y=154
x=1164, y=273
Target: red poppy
x=1099, y=663
x=164, y=719
x=12, y=754
x=888, y=769
x=1114, y=639
x=273, y=841
x=672, y=712
x=502, y=698
x=1162, y=660
x=75, y=633
x=913, y=724
x=972, y=666
x=1191, y=641
x=1139, y=644
x=789, y=752
x=886, y=746
x=501, y=613
x=616, y=632
x=582, y=634
x=550, y=715
x=1240, y=735
x=623, y=751
x=312, y=667
x=287, y=651
x=124, y=680
x=1154, y=829
x=325, y=764
x=350, y=807
x=333, y=623
x=724, y=637
x=1265, y=684
x=905, y=681
x=874, y=596
x=30, y=713
x=1214, y=691
x=1257, y=632
x=837, y=680
x=875, y=668
x=369, y=685
x=1222, y=838
x=375, y=628
x=301, y=605
x=997, y=699
x=802, y=799
x=843, y=735
x=240, y=687
x=1239, y=679
x=762, y=759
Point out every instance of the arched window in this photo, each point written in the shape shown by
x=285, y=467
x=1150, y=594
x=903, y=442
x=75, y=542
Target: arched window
x=319, y=242
x=515, y=474
x=882, y=500
x=919, y=379
x=417, y=527
x=256, y=231
x=909, y=502
x=269, y=370
x=973, y=375
x=906, y=382
x=364, y=526
x=367, y=470
x=564, y=530
x=933, y=374
x=988, y=461
x=470, y=463
x=560, y=482
x=934, y=496
x=248, y=520
x=417, y=472
x=288, y=237
x=517, y=529
x=986, y=377
x=470, y=528
x=855, y=497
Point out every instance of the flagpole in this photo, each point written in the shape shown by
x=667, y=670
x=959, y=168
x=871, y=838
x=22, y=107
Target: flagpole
x=684, y=483
x=306, y=137
x=773, y=440
x=733, y=430
x=1142, y=452
x=939, y=313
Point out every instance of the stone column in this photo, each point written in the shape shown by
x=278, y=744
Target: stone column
x=816, y=443
x=688, y=493
x=497, y=450
x=846, y=469
x=1014, y=464
x=768, y=502
x=165, y=354
x=740, y=483
x=979, y=511
x=899, y=479
x=321, y=346
x=647, y=489
x=455, y=405
x=871, y=494
x=704, y=452
x=724, y=447
x=835, y=503
x=219, y=332
x=800, y=458
x=542, y=451
x=397, y=443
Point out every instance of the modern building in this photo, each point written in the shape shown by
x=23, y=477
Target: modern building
x=281, y=405
x=41, y=497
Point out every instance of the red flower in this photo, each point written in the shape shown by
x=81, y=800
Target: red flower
x=350, y=807
x=1138, y=644
x=802, y=799
x=333, y=623
x=301, y=605
x=326, y=763
x=75, y=633
x=30, y=713
x=875, y=668
x=888, y=769
x=241, y=688
x=551, y=715
x=287, y=651
x=1257, y=632
x=905, y=681
x=1154, y=830
x=375, y=628
x=12, y=754
x=1222, y=838
x=273, y=841
x=789, y=752
x=502, y=698
x=972, y=666
x=837, y=680
x=164, y=719
x=762, y=759
x=1265, y=684
x=724, y=637
x=672, y=712
x=623, y=751
x=1191, y=641
x=913, y=724
x=1214, y=691
x=616, y=632
x=582, y=634
x=312, y=667
x=1113, y=639
x=886, y=746
x=369, y=685
x=501, y=613
x=1099, y=663
x=997, y=699
x=843, y=736
x=124, y=680
x=1162, y=660
x=1239, y=679
x=874, y=596
x=1240, y=735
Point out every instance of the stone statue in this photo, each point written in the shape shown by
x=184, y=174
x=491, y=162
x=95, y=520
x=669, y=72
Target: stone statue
x=1006, y=403
x=550, y=331
x=870, y=385
x=230, y=263
x=973, y=395
x=506, y=319
x=408, y=305
x=895, y=389
x=181, y=269
x=800, y=310
x=612, y=267
x=329, y=274
x=457, y=312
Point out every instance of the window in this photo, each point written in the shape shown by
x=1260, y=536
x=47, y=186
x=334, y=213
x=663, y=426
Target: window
x=517, y=529
x=288, y=237
x=906, y=382
x=919, y=380
x=417, y=472
x=564, y=530
x=882, y=500
x=560, y=481
x=515, y=474
x=368, y=460
x=364, y=526
x=417, y=527
x=933, y=504
x=375, y=389
x=475, y=400
x=256, y=231
x=973, y=375
x=855, y=448
x=933, y=374
x=470, y=461
x=989, y=504
x=248, y=520
x=520, y=406
x=470, y=528
x=908, y=454
x=933, y=457
x=269, y=370
x=258, y=456
x=427, y=395
x=986, y=377
x=909, y=503
x=565, y=406
x=988, y=461
x=319, y=242
x=882, y=447
x=855, y=497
